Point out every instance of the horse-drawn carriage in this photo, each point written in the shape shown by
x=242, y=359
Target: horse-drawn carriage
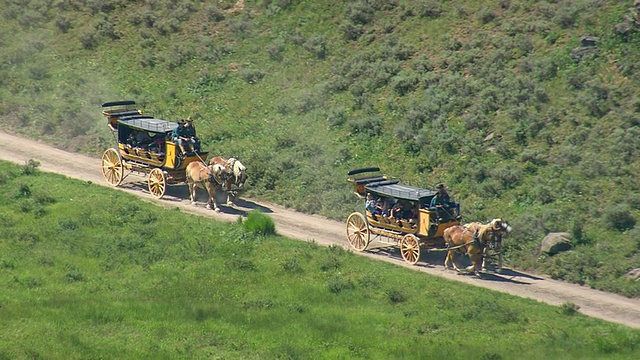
x=145, y=147
x=417, y=228
x=416, y=225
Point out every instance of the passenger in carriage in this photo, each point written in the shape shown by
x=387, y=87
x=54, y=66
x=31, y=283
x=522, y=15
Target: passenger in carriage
x=180, y=136
x=131, y=139
x=157, y=144
x=383, y=206
x=442, y=205
x=404, y=210
x=142, y=139
x=191, y=134
x=370, y=203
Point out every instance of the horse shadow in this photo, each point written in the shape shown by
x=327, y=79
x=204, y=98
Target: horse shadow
x=252, y=206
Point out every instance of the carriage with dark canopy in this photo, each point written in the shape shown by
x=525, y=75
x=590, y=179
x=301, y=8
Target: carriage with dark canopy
x=144, y=147
x=414, y=226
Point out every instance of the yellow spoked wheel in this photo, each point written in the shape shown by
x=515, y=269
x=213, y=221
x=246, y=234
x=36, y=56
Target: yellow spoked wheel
x=410, y=249
x=157, y=183
x=358, y=231
x=112, y=167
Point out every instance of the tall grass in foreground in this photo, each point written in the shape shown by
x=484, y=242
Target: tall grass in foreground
x=89, y=272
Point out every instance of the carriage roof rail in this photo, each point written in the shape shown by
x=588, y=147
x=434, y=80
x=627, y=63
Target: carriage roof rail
x=119, y=103
x=363, y=170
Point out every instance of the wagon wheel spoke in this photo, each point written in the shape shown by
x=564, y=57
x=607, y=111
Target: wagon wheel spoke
x=410, y=249
x=157, y=183
x=358, y=234
x=112, y=167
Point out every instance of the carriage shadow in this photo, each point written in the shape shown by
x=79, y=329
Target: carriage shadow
x=429, y=259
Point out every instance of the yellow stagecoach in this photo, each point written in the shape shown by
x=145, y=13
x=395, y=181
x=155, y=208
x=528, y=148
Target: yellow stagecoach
x=144, y=147
x=414, y=225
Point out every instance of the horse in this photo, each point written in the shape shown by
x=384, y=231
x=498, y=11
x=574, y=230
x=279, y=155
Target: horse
x=490, y=236
x=236, y=175
x=210, y=178
x=458, y=238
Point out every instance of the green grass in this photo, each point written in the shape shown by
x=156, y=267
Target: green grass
x=90, y=272
x=485, y=96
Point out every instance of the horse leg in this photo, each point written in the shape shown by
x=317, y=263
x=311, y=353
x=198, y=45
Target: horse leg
x=192, y=193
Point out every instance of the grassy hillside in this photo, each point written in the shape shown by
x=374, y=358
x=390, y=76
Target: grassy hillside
x=527, y=110
x=113, y=277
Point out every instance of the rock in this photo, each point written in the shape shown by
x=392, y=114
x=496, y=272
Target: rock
x=555, y=243
x=588, y=41
x=633, y=274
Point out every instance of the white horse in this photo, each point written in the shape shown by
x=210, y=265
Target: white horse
x=236, y=176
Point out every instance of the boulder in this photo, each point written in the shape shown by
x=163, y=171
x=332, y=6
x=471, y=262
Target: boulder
x=634, y=274
x=555, y=243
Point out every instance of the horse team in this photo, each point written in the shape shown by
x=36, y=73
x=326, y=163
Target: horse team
x=476, y=240
x=220, y=174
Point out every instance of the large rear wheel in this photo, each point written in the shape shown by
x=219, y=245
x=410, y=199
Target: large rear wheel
x=157, y=183
x=410, y=249
x=112, y=167
x=358, y=231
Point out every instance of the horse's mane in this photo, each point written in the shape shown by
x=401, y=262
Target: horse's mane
x=480, y=228
x=236, y=166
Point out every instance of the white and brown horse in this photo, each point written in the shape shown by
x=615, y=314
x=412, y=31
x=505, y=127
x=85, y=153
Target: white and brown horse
x=236, y=175
x=490, y=236
x=461, y=239
x=210, y=178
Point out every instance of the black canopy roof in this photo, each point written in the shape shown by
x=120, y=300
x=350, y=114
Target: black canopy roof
x=147, y=123
x=391, y=188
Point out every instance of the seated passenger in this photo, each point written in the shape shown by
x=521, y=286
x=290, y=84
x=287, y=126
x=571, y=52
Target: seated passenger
x=131, y=140
x=442, y=205
x=142, y=139
x=370, y=203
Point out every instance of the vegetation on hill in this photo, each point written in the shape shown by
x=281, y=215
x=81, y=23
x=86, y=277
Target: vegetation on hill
x=110, y=276
x=528, y=110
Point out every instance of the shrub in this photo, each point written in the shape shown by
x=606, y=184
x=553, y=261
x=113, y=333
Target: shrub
x=619, y=217
x=251, y=76
x=317, y=45
x=214, y=13
x=396, y=296
x=259, y=223
x=337, y=285
x=30, y=167
x=569, y=308
x=275, y=50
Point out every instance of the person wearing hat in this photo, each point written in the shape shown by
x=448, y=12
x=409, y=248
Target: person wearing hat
x=441, y=203
x=180, y=135
x=191, y=135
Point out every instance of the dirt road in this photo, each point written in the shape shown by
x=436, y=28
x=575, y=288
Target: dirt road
x=299, y=226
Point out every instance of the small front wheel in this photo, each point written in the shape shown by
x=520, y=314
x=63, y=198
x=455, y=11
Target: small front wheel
x=358, y=231
x=410, y=249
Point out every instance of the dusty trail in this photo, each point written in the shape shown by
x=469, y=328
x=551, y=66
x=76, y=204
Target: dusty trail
x=299, y=226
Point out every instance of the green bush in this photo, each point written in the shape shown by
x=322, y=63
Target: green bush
x=259, y=223
x=619, y=217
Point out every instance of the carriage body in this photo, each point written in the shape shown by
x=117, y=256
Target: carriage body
x=158, y=157
x=421, y=230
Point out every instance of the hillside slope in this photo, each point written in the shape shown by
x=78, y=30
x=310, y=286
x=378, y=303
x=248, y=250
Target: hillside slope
x=527, y=110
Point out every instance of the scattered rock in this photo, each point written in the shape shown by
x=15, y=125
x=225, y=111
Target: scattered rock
x=633, y=274
x=555, y=243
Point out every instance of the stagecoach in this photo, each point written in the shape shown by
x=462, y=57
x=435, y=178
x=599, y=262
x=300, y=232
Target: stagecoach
x=422, y=229
x=159, y=159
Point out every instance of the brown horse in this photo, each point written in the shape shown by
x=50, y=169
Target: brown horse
x=490, y=236
x=236, y=175
x=210, y=178
x=458, y=238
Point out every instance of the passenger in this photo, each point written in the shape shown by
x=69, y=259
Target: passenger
x=383, y=207
x=142, y=139
x=180, y=136
x=157, y=145
x=193, y=138
x=370, y=203
x=131, y=140
x=442, y=205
